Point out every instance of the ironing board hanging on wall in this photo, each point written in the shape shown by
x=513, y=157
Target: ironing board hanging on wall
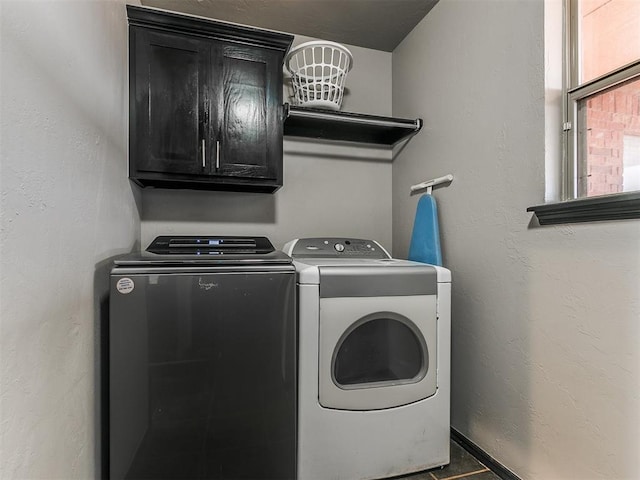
x=425, y=238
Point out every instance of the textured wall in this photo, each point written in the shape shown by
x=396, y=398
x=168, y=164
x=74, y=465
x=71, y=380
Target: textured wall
x=328, y=189
x=546, y=368
x=66, y=207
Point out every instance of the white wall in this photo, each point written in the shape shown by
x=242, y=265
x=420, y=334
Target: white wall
x=328, y=189
x=66, y=207
x=546, y=321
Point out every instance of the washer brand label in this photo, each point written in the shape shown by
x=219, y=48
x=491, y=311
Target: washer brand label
x=125, y=285
x=206, y=285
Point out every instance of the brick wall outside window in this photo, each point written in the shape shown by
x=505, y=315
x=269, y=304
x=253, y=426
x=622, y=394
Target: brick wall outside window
x=610, y=116
x=611, y=39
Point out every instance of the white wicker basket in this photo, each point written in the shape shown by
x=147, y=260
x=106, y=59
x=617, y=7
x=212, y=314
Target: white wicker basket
x=318, y=71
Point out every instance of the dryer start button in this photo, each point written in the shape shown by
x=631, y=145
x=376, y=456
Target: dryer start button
x=339, y=247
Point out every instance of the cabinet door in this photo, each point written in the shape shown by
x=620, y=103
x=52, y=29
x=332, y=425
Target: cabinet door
x=249, y=112
x=168, y=120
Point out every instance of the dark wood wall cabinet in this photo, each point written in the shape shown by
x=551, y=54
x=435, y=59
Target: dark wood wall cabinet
x=205, y=107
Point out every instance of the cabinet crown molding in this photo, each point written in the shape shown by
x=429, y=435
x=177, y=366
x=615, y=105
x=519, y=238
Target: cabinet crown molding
x=215, y=29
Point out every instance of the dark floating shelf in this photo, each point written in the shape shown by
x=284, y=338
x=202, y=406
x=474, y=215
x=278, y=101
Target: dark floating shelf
x=621, y=206
x=346, y=126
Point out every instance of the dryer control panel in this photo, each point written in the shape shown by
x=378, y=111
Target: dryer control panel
x=335, y=247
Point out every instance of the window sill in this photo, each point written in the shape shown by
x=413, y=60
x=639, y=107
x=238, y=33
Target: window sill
x=594, y=209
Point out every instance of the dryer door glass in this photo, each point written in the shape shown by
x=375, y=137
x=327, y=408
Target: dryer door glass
x=382, y=348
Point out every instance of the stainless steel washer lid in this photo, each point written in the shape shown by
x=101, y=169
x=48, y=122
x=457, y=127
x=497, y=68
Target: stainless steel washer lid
x=206, y=250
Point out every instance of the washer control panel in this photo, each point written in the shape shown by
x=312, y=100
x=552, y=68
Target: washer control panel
x=333, y=247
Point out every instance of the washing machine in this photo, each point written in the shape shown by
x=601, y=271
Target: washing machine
x=374, y=361
x=202, y=361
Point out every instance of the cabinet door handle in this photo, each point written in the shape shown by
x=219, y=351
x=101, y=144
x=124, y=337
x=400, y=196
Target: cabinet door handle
x=204, y=154
x=217, y=154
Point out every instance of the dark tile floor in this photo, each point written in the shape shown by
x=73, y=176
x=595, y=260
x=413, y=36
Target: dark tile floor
x=463, y=465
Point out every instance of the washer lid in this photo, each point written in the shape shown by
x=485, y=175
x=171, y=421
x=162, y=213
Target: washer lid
x=206, y=250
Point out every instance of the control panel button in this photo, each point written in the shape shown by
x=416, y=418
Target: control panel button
x=339, y=247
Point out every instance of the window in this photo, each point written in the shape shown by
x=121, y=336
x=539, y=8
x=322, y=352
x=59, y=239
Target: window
x=602, y=93
x=592, y=96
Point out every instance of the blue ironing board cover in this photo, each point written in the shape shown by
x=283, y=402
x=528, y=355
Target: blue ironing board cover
x=425, y=239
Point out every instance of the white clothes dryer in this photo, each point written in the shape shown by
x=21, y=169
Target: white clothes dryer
x=374, y=361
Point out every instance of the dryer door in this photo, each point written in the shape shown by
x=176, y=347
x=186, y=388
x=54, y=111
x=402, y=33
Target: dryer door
x=377, y=352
